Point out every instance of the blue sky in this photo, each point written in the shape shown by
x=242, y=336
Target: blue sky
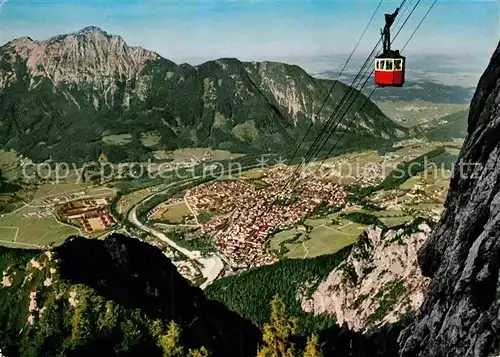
x=185, y=31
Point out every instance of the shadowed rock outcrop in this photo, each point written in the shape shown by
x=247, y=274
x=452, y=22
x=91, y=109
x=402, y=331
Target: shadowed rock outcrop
x=138, y=275
x=107, y=298
x=460, y=315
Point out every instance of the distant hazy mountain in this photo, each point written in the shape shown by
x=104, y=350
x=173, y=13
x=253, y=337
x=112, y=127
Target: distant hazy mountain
x=422, y=90
x=449, y=127
x=77, y=95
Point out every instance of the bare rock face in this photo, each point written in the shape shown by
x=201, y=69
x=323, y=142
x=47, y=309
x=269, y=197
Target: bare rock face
x=378, y=284
x=461, y=312
x=89, y=56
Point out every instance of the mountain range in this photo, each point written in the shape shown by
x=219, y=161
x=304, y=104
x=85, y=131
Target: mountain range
x=75, y=96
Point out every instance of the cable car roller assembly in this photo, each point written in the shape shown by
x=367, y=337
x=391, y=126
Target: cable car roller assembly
x=389, y=66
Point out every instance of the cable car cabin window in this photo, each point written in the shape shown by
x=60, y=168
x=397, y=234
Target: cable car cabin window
x=382, y=64
x=377, y=64
x=388, y=65
x=397, y=65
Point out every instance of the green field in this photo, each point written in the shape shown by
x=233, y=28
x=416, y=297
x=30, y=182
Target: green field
x=8, y=233
x=296, y=251
x=395, y=221
x=325, y=239
x=149, y=138
x=252, y=174
x=173, y=213
x=350, y=164
x=8, y=164
x=49, y=190
x=120, y=139
x=281, y=237
x=322, y=239
x=315, y=222
x=427, y=206
x=186, y=154
x=418, y=149
x=410, y=114
x=53, y=191
x=127, y=201
x=32, y=231
x=408, y=184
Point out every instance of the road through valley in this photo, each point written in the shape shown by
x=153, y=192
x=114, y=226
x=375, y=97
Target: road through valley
x=212, y=264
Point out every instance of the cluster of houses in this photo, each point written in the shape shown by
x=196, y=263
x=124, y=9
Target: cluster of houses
x=372, y=175
x=185, y=267
x=246, y=214
x=38, y=214
x=421, y=192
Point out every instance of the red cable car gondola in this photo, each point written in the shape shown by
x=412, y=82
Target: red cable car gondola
x=390, y=65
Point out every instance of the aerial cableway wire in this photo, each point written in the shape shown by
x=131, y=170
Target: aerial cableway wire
x=327, y=127
x=359, y=92
x=353, y=88
x=328, y=122
x=354, y=92
x=369, y=76
x=366, y=80
x=373, y=90
x=402, y=13
x=348, y=91
x=335, y=83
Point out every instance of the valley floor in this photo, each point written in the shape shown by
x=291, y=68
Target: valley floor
x=212, y=229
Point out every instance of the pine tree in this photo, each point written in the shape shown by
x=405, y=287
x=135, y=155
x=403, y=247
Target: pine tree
x=278, y=332
x=108, y=319
x=81, y=331
x=312, y=347
x=169, y=343
x=156, y=328
x=202, y=352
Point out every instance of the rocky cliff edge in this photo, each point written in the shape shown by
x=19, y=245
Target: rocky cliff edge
x=460, y=315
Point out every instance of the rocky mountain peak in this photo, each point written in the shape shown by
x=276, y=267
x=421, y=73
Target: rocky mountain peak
x=90, y=55
x=89, y=33
x=92, y=30
x=25, y=40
